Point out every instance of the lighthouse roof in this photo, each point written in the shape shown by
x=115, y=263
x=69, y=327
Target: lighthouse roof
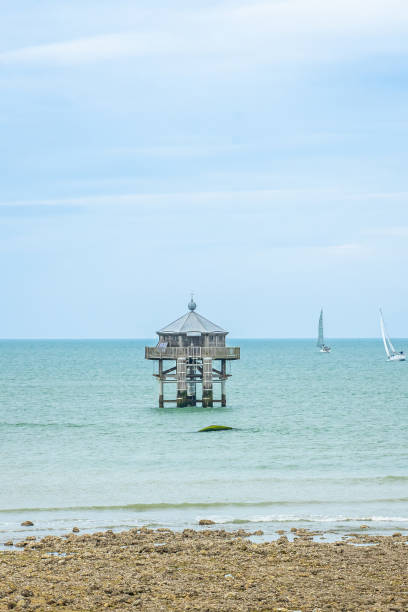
x=192, y=323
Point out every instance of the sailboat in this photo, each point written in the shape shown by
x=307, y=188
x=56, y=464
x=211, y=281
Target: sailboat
x=392, y=354
x=320, y=339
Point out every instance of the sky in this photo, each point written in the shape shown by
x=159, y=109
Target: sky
x=252, y=152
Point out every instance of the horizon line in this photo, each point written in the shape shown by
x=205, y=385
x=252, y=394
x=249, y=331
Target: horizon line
x=312, y=338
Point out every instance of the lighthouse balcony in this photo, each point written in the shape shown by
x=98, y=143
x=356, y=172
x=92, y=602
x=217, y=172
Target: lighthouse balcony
x=198, y=352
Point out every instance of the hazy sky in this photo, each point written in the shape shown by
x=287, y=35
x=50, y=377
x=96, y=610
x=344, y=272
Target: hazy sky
x=254, y=152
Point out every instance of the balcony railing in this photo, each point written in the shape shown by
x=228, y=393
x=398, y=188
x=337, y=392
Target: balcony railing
x=215, y=352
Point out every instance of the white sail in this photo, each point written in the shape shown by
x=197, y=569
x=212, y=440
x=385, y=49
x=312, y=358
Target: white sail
x=392, y=354
x=390, y=343
x=389, y=347
x=320, y=338
x=384, y=335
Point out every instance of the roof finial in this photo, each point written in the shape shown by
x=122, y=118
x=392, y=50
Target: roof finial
x=192, y=305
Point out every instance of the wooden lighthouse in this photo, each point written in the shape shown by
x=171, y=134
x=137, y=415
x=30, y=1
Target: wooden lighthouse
x=196, y=350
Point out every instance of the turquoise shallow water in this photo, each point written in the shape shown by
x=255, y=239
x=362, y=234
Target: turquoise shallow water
x=320, y=440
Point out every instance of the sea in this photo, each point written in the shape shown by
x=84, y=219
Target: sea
x=319, y=441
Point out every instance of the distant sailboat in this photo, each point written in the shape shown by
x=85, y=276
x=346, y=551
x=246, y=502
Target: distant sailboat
x=392, y=354
x=320, y=339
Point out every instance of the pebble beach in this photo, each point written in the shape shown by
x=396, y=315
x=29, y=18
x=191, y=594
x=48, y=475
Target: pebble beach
x=210, y=569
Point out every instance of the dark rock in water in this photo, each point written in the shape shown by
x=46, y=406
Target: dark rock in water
x=215, y=428
x=27, y=524
x=206, y=522
x=75, y=530
x=8, y=543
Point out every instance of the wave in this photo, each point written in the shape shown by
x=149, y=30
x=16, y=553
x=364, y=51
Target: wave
x=29, y=424
x=161, y=506
x=316, y=519
x=145, y=507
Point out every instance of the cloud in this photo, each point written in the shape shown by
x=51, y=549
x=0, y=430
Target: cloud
x=396, y=232
x=382, y=195
x=85, y=50
x=347, y=250
x=176, y=151
x=352, y=250
x=262, y=32
x=238, y=200
x=311, y=198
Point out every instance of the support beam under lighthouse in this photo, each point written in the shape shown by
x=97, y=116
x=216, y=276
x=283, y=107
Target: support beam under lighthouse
x=161, y=392
x=223, y=380
x=207, y=382
x=181, y=382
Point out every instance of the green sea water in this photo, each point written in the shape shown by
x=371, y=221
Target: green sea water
x=319, y=440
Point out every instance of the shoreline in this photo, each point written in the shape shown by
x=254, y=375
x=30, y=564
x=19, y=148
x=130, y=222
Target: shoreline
x=59, y=521
x=208, y=569
x=266, y=532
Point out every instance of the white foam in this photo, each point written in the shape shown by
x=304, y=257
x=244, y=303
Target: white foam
x=291, y=518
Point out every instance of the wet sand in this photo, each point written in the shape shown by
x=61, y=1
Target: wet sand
x=204, y=570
